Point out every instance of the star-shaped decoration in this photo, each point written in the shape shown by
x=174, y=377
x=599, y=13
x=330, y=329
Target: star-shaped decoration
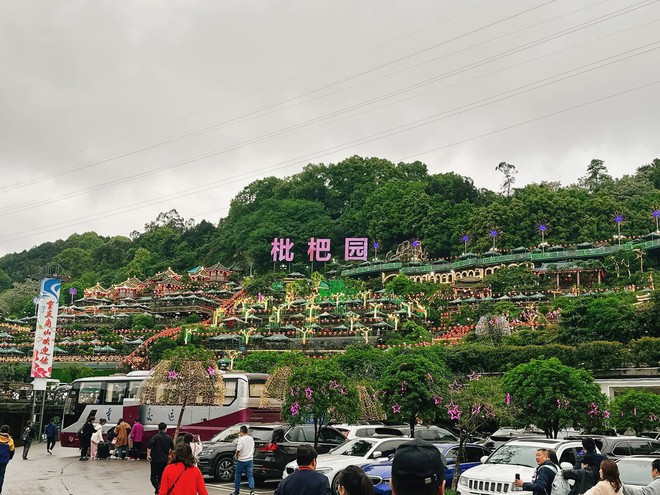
x=455, y=387
x=308, y=393
x=172, y=375
x=474, y=376
x=396, y=408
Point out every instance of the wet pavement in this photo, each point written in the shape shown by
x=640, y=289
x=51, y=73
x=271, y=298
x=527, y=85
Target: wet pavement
x=63, y=474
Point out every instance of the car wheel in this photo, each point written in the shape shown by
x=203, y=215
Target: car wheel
x=224, y=469
x=335, y=484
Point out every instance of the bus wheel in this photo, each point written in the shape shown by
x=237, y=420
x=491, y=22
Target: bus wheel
x=224, y=469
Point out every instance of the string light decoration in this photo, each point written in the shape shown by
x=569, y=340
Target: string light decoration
x=370, y=407
x=179, y=381
x=183, y=382
x=276, y=386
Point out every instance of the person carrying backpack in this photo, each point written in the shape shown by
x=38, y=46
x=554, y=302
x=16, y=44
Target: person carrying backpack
x=28, y=436
x=544, y=475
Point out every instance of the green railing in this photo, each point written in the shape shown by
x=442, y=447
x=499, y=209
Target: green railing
x=598, y=252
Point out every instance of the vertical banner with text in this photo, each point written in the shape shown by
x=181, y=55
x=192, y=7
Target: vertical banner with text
x=44, y=336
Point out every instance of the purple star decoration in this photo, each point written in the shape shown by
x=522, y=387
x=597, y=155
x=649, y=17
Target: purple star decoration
x=308, y=393
x=618, y=218
x=210, y=370
x=295, y=408
x=543, y=228
x=416, y=243
x=172, y=375
x=396, y=408
x=465, y=238
x=494, y=233
x=375, y=245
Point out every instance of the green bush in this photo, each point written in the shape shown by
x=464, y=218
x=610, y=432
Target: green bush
x=645, y=351
x=601, y=355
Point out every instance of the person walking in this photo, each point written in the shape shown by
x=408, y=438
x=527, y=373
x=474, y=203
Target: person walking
x=652, y=488
x=97, y=438
x=305, y=480
x=86, y=438
x=182, y=477
x=354, y=481
x=243, y=460
x=544, y=475
x=121, y=431
x=51, y=436
x=6, y=452
x=417, y=469
x=28, y=436
x=137, y=432
x=158, y=450
x=610, y=483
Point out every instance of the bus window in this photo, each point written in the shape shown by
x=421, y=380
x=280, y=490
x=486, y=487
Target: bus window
x=90, y=393
x=257, y=388
x=133, y=387
x=115, y=392
x=230, y=391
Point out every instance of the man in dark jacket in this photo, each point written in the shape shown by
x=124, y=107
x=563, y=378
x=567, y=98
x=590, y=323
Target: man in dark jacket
x=543, y=476
x=51, y=436
x=590, y=456
x=584, y=478
x=28, y=436
x=158, y=451
x=418, y=469
x=305, y=480
x=86, y=438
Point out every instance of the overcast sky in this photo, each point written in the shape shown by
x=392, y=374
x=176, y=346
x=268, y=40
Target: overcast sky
x=113, y=111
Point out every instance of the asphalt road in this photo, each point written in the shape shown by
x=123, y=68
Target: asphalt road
x=63, y=474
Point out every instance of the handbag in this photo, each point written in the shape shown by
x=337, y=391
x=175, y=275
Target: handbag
x=169, y=490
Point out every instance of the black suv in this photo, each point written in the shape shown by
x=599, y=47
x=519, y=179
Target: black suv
x=275, y=446
x=622, y=446
x=217, y=456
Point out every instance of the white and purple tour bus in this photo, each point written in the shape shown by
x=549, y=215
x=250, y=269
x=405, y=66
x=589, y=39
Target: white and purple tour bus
x=114, y=397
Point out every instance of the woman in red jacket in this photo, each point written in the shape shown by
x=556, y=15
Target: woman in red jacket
x=182, y=477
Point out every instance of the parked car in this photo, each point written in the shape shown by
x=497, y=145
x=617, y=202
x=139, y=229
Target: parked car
x=217, y=456
x=635, y=470
x=371, y=429
x=434, y=434
x=275, y=445
x=655, y=435
x=380, y=473
x=357, y=452
x=623, y=446
x=497, y=473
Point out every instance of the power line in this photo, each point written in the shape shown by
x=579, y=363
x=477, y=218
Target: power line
x=299, y=126
x=241, y=118
x=334, y=149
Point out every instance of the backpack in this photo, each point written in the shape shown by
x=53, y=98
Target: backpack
x=560, y=485
x=81, y=432
x=27, y=434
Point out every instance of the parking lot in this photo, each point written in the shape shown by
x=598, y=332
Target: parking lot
x=62, y=474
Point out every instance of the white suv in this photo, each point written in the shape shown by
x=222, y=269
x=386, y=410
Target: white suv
x=497, y=473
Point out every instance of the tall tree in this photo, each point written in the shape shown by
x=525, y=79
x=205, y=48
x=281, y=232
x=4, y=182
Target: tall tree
x=551, y=395
x=320, y=392
x=509, y=172
x=596, y=177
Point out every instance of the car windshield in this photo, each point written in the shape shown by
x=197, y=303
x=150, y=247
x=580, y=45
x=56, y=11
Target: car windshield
x=521, y=455
x=228, y=435
x=634, y=472
x=358, y=447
